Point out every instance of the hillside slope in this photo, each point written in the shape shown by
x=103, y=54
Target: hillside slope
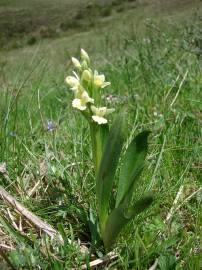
x=25, y=22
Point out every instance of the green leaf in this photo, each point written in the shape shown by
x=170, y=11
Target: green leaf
x=132, y=166
x=94, y=230
x=108, y=165
x=120, y=216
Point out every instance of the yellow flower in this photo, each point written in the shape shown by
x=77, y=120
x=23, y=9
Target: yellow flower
x=84, y=56
x=99, y=80
x=81, y=99
x=73, y=82
x=76, y=63
x=87, y=75
x=99, y=114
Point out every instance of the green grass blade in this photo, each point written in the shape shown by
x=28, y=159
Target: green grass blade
x=120, y=216
x=132, y=165
x=108, y=167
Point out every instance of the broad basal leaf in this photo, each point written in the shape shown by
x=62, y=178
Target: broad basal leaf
x=120, y=216
x=132, y=166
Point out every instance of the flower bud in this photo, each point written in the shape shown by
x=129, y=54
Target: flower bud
x=72, y=82
x=76, y=63
x=84, y=56
x=87, y=75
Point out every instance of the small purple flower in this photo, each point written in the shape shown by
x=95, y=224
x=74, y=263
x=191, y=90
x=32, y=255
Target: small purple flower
x=50, y=126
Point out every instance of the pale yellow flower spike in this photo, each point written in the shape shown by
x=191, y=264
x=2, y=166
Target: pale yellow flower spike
x=99, y=114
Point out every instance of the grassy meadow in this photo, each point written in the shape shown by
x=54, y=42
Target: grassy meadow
x=151, y=52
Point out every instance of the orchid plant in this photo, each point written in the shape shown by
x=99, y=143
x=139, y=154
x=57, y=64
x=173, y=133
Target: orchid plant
x=107, y=143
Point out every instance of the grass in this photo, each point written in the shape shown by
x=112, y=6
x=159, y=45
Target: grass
x=155, y=70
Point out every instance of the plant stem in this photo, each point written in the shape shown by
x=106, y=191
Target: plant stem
x=96, y=145
x=93, y=143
